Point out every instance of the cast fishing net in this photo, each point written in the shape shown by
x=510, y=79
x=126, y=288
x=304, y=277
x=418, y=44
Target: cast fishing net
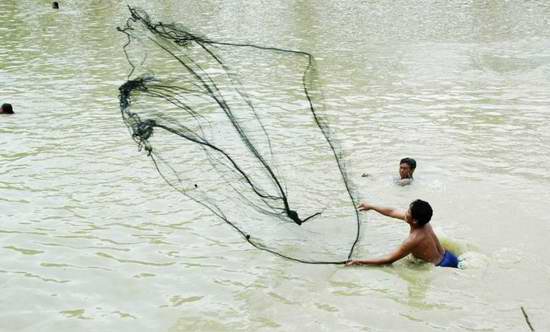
x=237, y=128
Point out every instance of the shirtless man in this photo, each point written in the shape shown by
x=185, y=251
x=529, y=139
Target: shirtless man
x=422, y=242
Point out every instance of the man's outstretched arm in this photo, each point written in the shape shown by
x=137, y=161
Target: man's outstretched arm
x=403, y=250
x=389, y=212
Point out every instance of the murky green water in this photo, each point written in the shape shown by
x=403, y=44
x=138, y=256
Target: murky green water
x=93, y=240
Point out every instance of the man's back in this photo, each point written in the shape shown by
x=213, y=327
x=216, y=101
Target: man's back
x=427, y=245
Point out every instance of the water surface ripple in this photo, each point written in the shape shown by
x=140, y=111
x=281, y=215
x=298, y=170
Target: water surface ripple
x=93, y=240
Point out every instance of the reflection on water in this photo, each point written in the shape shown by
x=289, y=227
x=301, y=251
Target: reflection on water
x=92, y=240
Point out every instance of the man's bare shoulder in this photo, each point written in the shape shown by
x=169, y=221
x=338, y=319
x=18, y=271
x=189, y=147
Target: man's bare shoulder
x=414, y=239
x=419, y=237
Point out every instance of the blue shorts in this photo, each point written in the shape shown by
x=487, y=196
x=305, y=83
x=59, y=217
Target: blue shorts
x=449, y=260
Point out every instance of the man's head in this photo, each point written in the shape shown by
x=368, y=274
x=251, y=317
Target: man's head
x=420, y=213
x=7, y=109
x=406, y=168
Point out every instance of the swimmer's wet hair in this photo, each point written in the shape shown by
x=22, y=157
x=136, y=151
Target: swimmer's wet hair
x=421, y=211
x=7, y=108
x=409, y=161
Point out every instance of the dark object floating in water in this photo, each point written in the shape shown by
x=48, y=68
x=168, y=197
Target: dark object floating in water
x=55, y=5
x=6, y=109
x=239, y=119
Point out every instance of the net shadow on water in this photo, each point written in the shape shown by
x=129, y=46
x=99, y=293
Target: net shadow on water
x=239, y=129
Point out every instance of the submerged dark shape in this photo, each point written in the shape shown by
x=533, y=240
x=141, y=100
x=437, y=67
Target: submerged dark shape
x=204, y=118
x=6, y=109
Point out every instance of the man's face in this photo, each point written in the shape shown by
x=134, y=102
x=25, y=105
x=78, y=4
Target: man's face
x=405, y=171
x=408, y=216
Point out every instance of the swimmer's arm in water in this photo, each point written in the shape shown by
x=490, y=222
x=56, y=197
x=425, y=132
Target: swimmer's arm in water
x=388, y=212
x=403, y=250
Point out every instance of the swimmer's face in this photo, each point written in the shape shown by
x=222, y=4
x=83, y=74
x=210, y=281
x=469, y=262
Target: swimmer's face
x=405, y=171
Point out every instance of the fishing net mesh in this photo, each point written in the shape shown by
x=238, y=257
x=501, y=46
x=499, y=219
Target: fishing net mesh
x=240, y=130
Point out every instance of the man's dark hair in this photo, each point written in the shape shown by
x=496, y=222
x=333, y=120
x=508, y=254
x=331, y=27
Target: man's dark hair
x=421, y=211
x=409, y=161
x=6, y=108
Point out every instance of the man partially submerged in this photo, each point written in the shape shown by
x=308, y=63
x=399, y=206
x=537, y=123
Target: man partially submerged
x=422, y=242
x=406, y=170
